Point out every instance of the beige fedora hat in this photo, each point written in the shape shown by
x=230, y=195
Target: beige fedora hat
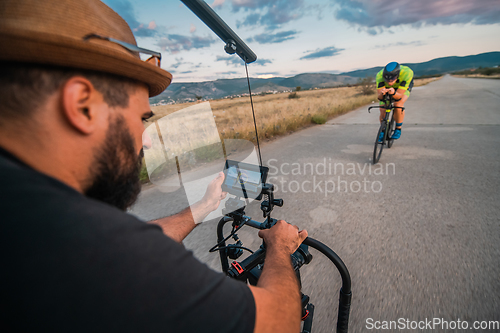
x=56, y=32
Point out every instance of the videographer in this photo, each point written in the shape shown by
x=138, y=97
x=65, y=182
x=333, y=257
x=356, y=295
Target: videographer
x=73, y=97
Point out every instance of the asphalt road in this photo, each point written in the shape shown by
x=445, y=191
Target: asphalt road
x=419, y=232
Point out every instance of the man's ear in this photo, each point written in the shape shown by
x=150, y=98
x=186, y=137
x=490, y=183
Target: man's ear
x=80, y=104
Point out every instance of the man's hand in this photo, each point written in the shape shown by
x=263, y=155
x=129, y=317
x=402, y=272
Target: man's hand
x=178, y=226
x=283, y=237
x=277, y=296
x=214, y=195
x=385, y=90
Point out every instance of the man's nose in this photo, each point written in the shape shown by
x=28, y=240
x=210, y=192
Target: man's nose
x=146, y=141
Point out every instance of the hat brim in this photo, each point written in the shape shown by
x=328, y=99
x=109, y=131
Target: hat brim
x=47, y=49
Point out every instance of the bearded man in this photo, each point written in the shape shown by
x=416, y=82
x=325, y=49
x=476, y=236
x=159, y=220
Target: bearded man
x=73, y=97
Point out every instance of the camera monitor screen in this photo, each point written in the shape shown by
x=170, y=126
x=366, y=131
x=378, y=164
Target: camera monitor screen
x=244, y=180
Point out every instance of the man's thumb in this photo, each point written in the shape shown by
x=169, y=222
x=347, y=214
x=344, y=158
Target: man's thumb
x=220, y=177
x=262, y=233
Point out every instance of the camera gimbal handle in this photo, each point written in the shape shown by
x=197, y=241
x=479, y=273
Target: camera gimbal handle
x=234, y=44
x=247, y=269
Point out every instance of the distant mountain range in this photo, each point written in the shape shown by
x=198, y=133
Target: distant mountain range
x=234, y=87
x=440, y=65
x=191, y=91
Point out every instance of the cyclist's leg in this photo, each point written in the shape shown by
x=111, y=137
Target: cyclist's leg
x=382, y=111
x=399, y=115
x=381, y=118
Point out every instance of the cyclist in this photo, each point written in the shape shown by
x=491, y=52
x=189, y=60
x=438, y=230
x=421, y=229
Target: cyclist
x=397, y=81
x=74, y=93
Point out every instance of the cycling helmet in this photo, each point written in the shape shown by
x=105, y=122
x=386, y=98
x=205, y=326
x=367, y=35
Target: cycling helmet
x=391, y=71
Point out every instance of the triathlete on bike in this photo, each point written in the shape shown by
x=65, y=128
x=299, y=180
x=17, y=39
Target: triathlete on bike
x=396, y=80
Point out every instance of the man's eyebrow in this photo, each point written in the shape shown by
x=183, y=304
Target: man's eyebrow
x=147, y=115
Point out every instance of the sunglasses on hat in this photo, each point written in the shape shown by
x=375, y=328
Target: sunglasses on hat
x=155, y=58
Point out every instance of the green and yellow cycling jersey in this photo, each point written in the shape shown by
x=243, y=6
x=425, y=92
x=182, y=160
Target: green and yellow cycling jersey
x=403, y=82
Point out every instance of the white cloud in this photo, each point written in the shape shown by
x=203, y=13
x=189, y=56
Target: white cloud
x=217, y=3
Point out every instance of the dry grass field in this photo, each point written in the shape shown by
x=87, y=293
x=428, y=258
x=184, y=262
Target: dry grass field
x=277, y=114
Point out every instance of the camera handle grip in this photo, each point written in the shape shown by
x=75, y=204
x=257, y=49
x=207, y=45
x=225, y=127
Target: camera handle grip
x=345, y=291
x=344, y=309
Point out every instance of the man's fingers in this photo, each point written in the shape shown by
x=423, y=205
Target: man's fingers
x=217, y=181
x=303, y=235
x=220, y=177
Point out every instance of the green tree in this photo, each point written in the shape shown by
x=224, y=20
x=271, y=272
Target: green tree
x=488, y=71
x=367, y=85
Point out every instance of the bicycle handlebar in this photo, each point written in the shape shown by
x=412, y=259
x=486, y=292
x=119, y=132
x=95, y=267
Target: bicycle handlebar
x=387, y=98
x=383, y=107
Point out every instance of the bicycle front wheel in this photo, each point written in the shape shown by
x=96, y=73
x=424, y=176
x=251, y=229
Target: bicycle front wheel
x=379, y=146
x=392, y=128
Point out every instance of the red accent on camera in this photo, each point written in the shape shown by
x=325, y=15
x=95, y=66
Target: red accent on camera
x=238, y=267
x=306, y=315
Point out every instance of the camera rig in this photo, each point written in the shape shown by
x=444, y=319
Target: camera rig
x=250, y=268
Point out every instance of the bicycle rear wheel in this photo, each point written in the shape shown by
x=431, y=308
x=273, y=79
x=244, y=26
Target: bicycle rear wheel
x=392, y=128
x=379, y=146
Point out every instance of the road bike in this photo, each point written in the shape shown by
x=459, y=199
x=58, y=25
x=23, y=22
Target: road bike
x=388, y=123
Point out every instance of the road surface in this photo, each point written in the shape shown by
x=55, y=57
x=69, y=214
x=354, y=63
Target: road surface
x=419, y=232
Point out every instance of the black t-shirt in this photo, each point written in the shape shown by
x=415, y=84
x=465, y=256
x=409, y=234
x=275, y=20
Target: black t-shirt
x=73, y=264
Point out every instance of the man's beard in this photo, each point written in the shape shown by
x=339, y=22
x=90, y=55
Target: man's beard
x=116, y=168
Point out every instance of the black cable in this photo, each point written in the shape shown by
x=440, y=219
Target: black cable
x=215, y=247
x=234, y=247
x=253, y=112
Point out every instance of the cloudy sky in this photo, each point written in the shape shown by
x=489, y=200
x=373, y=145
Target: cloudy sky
x=304, y=36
